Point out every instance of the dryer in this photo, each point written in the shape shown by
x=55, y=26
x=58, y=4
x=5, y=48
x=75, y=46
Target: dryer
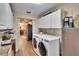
x=35, y=42
x=49, y=45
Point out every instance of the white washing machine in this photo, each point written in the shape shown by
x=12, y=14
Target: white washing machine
x=35, y=42
x=47, y=45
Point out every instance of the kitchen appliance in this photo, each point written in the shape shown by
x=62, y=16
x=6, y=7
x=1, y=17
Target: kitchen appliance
x=68, y=22
x=71, y=22
x=35, y=42
x=47, y=45
x=42, y=49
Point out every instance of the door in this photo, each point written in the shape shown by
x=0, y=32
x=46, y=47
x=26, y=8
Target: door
x=42, y=49
x=29, y=32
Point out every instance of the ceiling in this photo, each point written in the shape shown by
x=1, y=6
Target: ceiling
x=36, y=9
x=23, y=20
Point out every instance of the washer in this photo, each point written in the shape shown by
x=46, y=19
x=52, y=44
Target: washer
x=35, y=42
x=42, y=49
x=48, y=45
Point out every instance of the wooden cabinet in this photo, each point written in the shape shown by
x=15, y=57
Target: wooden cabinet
x=6, y=16
x=70, y=41
x=52, y=20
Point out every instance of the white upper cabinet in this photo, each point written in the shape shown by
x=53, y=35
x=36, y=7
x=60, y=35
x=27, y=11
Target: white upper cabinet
x=41, y=22
x=52, y=20
x=44, y=22
x=47, y=23
x=56, y=19
x=6, y=16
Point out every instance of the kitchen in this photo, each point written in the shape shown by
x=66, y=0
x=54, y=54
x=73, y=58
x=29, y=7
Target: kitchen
x=52, y=24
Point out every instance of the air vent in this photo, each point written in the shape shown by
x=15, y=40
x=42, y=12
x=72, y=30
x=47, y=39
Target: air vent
x=28, y=12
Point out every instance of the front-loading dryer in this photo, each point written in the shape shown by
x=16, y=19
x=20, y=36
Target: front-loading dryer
x=42, y=49
x=48, y=46
x=35, y=42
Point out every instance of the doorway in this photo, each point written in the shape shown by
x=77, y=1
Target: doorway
x=26, y=28
x=25, y=42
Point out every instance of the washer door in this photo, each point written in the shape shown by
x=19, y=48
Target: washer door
x=34, y=43
x=42, y=49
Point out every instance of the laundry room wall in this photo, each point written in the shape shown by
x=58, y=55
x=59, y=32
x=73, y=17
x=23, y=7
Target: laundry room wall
x=50, y=31
x=68, y=9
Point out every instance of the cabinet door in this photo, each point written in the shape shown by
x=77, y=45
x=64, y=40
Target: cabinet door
x=44, y=22
x=70, y=42
x=47, y=21
x=6, y=16
x=2, y=14
x=41, y=22
x=56, y=19
x=10, y=18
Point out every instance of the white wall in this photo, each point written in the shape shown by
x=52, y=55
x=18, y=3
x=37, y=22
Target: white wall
x=35, y=26
x=16, y=29
x=72, y=9
x=24, y=16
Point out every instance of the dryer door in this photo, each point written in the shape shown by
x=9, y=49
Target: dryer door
x=34, y=43
x=42, y=49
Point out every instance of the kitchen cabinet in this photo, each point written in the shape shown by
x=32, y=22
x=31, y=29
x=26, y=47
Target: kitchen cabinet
x=56, y=21
x=6, y=16
x=41, y=22
x=70, y=42
x=47, y=21
x=44, y=22
x=52, y=20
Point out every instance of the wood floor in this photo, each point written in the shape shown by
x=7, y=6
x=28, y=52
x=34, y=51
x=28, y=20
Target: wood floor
x=25, y=48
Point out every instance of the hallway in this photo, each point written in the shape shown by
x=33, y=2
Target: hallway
x=25, y=48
